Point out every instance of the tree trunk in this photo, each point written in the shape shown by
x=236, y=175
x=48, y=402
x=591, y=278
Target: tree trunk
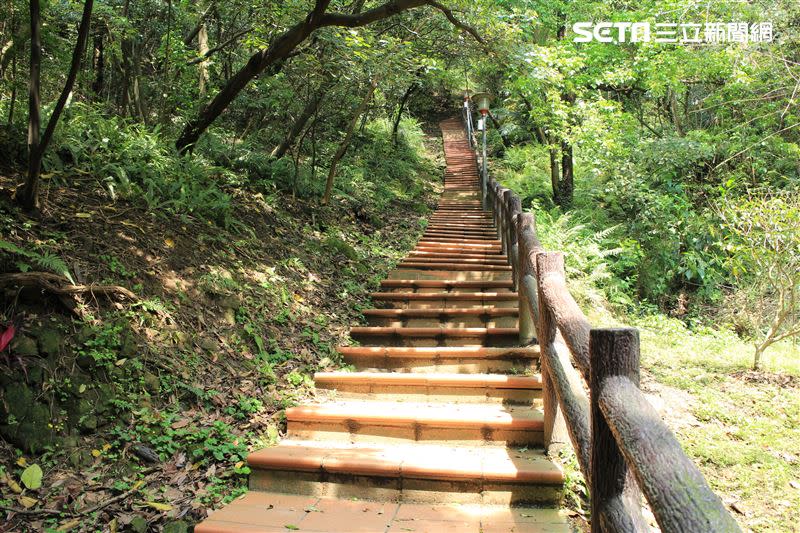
x=13, y=90
x=138, y=100
x=202, y=67
x=30, y=193
x=346, y=141
x=555, y=174
x=403, y=101
x=300, y=122
x=499, y=128
x=757, y=356
x=99, y=65
x=672, y=102
x=126, y=47
x=567, y=185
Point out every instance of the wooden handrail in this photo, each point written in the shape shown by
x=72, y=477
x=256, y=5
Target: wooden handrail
x=622, y=445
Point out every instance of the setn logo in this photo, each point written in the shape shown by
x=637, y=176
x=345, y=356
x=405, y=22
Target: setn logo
x=608, y=32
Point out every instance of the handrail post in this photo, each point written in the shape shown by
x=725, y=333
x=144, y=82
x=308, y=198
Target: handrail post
x=527, y=267
x=514, y=210
x=616, y=499
x=555, y=427
x=485, y=172
x=467, y=112
x=503, y=214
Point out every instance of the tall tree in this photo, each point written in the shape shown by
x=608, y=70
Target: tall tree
x=28, y=195
x=351, y=126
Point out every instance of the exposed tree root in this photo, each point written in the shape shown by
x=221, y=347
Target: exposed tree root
x=55, y=284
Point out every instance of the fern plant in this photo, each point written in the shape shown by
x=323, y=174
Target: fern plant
x=585, y=252
x=44, y=260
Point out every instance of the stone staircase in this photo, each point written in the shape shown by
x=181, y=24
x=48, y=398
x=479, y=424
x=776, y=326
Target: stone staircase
x=440, y=428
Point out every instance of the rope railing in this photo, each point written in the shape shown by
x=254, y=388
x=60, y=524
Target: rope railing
x=590, y=391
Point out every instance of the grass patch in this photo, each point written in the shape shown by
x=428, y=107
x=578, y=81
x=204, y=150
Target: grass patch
x=745, y=435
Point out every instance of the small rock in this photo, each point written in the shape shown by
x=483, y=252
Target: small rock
x=146, y=454
x=138, y=524
x=25, y=346
x=85, y=361
x=178, y=526
x=129, y=347
x=84, y=334
x=50, y=342
x=89, y=423
x=208, y=344
x=36, y=375
x=151, y=383
x=230, y=301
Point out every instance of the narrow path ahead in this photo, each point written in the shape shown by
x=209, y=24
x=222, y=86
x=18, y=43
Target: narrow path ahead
x=440, y=427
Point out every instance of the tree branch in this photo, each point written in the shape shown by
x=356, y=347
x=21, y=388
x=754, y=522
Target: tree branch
x=455, y=22
x=212, y=51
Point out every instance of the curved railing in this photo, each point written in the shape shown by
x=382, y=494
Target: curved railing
x=590, y=391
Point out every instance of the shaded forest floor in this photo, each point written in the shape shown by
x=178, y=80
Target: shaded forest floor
x=141, y=414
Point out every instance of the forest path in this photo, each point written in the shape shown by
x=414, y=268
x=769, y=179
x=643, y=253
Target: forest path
x=440, y=428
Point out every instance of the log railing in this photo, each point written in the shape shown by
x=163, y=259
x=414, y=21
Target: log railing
x=591, y=396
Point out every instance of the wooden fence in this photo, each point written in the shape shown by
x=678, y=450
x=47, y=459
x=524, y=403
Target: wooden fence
x=590, y=390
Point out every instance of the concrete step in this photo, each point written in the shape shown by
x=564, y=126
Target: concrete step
x=434, y=336
x=464, y=261
x=449, y=275
x=487, y=317
x=456, y=249
x=450, y=421
x=456, y=359
x=408, y=473
x=272, y=511
x=446, y=285
x=453, y=266
x=441, y=387
x=446, y=300
x=431, y=422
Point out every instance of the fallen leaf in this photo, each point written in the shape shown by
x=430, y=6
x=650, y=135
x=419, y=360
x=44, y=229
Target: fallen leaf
x=66, y=526
x=27, y=502
x=6, y=337
x=182, y=423
x=83, y=215
x=13, y=485
x=169, y=243
x=22, y=461
x=291, y=526
x=160, y=506
x=32, y=477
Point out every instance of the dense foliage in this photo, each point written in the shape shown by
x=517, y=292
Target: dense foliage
x=663, y=135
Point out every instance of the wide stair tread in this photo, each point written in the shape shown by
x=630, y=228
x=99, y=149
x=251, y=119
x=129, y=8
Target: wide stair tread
x=420, y=414
x=427, y=461
x=274, y=511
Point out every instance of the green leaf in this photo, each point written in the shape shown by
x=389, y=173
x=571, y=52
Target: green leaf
x=32, y=477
